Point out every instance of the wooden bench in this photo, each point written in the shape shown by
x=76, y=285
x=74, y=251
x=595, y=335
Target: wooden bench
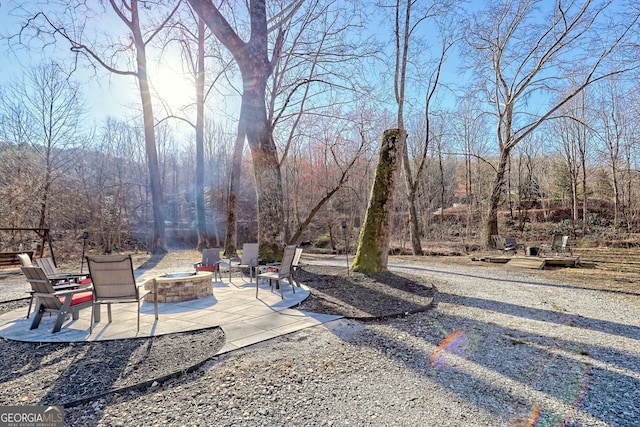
x=10, y=259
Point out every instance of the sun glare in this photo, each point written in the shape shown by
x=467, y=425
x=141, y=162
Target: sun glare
x=172, y=87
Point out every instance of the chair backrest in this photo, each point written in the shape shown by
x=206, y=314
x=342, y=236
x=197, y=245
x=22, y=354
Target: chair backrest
x=25, y=260
x=296, y=257
x=498, y=241
x=112, y=277
x=565, y=242
x=510, y=242
x=210, y=257
x=287, y=260
x=41, y=285
x=556, y=242
x=249, y=254
x=47, y=265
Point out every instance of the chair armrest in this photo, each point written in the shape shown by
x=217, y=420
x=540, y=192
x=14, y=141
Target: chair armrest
x=141, y=284
x=277, y=265
x=231, y=259
x=64, y=292
x=66, y=285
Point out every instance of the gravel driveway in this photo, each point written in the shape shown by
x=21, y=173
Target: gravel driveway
x=499, y=348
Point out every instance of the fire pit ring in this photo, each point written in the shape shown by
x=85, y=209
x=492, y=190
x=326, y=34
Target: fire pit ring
x=179, y=287
x=177, y=275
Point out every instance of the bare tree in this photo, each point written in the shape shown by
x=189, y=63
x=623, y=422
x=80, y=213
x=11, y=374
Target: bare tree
x=573, y=130
x=313, y=100
x=613, y=126
x=337, y=162
x=471, y=134
x=524, y=50
x=196, y=49
x=406, y=28
x=112, y=186
x=117, y=56
x=44, y=111
x=256, y=65
x=582, y=151
x=20, y=174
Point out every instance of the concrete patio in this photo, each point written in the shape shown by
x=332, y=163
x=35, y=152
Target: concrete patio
x=234, y=307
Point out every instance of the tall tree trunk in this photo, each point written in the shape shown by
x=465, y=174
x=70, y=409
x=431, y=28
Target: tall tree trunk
x=574, y=200
x=204, y=238
x=403, y=35
x=230, y=240
x=373, y=244
x=616, y=194
x=255, y=67
x=442, y=183
x=42, y=222
x=159, y=242
x=585, y=197
x=496, y=193
x=268, y=179
x=414, y=224
x=266, y=169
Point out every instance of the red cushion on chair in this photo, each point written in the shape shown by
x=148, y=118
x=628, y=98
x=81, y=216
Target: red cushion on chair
x=208, y=268
x=85, y=281
x=79, y=298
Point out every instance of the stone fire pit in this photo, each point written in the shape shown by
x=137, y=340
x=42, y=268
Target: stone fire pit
x=178, y=287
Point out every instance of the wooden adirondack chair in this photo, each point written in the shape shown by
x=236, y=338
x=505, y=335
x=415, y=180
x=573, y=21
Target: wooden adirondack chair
x=61, y=299
x=497, y=242
x=565, y=247
x=47, y=265
x=510, y=244
x=210, y=262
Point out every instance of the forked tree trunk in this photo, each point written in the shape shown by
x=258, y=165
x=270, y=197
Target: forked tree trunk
x=255, y=67
x=373, y=244
x=159, y=242
x=584, y=196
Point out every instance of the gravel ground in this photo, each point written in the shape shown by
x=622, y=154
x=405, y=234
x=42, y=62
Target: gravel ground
x=499, y=347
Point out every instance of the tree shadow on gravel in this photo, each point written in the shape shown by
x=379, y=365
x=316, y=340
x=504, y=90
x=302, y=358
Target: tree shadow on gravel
x=557, y=316
x=519, y=370
x=85, y=371
x=364, y=297
x=513, y=371
x=8, y=275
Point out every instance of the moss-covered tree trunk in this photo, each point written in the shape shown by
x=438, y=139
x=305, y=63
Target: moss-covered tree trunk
x=373, y=244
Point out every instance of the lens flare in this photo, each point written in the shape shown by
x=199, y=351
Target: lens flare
x=456, y=343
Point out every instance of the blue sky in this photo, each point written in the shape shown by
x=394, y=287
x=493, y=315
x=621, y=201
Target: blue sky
x=112, y=95
x=13, y=63
x=106, y=94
